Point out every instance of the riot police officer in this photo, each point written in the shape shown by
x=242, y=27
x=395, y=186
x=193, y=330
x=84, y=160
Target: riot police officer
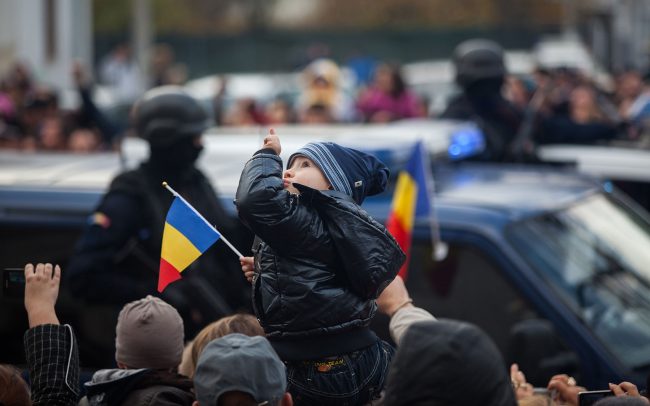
x=480, y=72
x=510, y=133
x=117, y=258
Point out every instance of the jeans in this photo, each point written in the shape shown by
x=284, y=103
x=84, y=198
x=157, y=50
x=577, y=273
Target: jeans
x=349, y=379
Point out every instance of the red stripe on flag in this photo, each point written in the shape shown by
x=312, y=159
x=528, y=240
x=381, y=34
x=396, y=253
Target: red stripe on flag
x=166, y=275
x=403, y=238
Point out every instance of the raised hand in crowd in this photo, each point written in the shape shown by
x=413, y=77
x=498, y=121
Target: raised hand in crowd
x=627, y=389
x=521, y=387
x=41, y=291
x=50, y=348
x=565, y=389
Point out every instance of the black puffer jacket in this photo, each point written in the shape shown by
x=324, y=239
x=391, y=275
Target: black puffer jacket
x=323, y=259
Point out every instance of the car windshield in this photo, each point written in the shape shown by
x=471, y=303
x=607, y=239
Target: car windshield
x=596, y=255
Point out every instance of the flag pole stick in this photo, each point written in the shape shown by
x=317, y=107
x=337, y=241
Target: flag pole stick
x=223, y=237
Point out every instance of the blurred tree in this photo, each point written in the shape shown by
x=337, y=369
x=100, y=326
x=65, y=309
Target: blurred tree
x=238, y=16
x=187, y=17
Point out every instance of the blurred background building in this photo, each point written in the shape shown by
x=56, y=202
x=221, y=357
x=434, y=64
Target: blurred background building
x=277, y=35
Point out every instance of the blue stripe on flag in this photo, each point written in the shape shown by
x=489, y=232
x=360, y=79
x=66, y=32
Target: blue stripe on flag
x=191, y=225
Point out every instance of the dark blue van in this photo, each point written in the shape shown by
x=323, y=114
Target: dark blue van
x=553, y=265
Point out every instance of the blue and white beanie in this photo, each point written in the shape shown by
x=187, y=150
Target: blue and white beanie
x=349, y=171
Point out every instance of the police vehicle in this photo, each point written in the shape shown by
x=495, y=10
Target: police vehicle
x=551, y=263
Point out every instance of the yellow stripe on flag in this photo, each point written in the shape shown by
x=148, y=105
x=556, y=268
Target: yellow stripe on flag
x=177, y=249
x=403, y=205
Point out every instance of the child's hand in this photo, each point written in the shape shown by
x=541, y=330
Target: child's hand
x=272, y=141
x=247, y=267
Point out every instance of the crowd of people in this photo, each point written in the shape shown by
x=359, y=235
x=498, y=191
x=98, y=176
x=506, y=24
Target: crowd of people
x=230, y=362
x=550, y=100
x=320, y=269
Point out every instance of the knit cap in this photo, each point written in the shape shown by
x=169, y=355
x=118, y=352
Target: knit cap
x=355, y=173
x=149, y=335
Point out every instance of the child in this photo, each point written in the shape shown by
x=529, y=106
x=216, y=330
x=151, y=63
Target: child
x=320, y=263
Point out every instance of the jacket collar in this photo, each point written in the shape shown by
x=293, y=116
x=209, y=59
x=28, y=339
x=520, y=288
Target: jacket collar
x=308, y=194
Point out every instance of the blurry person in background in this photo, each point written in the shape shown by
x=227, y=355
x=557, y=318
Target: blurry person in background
x=244, y=112
x=322, y=86
x=629, y=86
x=278, y=111
x=94, y=130
x=83, y=140
x=634, y=101
x=362, y=66
x=480, y=72
x=164, y=68
x=51, y=135
x=387, y=98
x=583, y=107
x=316, y=114
x=518, y=91
x=121, y=73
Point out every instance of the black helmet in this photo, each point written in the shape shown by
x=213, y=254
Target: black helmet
x=166, y=114
x=477, y=59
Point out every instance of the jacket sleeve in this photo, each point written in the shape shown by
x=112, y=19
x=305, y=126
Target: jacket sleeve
x=53, y=361
x=370, y=256
x=271, y=212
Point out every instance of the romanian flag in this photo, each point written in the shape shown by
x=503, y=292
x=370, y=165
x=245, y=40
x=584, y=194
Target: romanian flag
x=185, y=237
x=411, y=199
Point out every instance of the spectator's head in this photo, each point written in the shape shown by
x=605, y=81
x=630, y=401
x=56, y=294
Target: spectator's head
x=83, y=140
x=172, y=122
x=321, y=86
x=149, y=335
x=478, y=60
x=240, y=370
x=316, y=113
x=13, y=389
x=322, y=73
x=448, y=363
x=245, y=324
x=347, y=170
x=278, y=112
x=52, y=135
x=389, y=80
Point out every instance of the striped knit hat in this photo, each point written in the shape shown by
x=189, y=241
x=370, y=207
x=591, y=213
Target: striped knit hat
x=349, y=171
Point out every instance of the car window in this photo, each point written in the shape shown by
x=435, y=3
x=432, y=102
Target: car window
x=594, y=254
x=468, y=286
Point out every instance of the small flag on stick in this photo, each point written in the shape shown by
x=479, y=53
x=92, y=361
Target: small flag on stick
x=412, y=199
x=186, y=236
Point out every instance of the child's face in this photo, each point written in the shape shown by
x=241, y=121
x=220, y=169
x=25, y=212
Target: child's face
x=304, y=171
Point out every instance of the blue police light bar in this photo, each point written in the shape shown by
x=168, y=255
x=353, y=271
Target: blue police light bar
x=465, y=142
